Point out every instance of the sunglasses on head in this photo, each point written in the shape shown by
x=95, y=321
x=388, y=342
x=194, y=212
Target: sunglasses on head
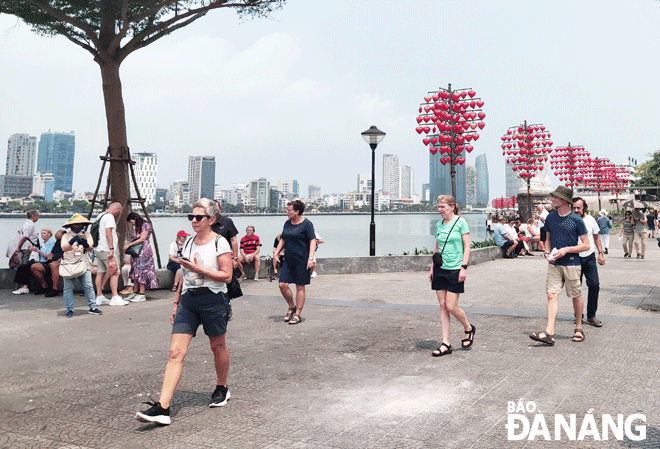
x=197, y=217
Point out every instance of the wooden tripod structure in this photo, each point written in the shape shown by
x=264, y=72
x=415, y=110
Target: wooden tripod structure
x=140, y=200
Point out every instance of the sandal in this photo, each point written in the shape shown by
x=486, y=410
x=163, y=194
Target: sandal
x=175, y=288
x=289, y=315
x=439, y=352
x=295, y=319
x=578, y=335
x=543, y=337
x=470, y=338
x=595, y=322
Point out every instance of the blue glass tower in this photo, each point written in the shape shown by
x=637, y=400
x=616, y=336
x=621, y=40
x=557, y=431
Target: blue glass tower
x=440, y=180
x=55, y=155
x=481, y=165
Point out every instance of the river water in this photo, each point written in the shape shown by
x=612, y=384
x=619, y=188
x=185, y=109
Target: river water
x=344, y=234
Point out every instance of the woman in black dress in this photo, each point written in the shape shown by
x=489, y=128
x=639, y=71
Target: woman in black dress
x=299, y=242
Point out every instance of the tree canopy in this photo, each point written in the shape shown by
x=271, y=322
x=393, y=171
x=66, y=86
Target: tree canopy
x=649, y=172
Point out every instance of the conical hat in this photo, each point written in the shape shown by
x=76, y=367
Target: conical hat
x=77, y=219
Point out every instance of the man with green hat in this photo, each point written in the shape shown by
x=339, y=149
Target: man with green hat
x=566, y=237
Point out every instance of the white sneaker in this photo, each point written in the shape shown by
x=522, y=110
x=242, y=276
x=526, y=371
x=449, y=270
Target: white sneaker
x=256, y=278
x=102, y=301
x=131, y=296
x=138, y=298
x=21, y=291
x=117, y=301
x=313, y=274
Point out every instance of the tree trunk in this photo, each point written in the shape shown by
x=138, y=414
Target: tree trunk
x=117, y=142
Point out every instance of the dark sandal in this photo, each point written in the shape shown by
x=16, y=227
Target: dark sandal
x=578, y=338
x=289, y=315
x=439, y=352
x=548, y=339
x=295, y=319
x=470, y=338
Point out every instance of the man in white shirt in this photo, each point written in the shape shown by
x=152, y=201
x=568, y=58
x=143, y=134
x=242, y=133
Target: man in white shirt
x=107, y=253
x=588, y=260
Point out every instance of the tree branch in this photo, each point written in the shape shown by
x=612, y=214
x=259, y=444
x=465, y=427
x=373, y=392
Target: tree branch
x=125, y=25
x=56, y=14
x=165, y=32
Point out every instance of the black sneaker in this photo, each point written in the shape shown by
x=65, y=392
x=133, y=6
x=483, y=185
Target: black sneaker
x=95, y=311
x=155, y=413
x=52, y=294
x=220, y=396
x=69, y=313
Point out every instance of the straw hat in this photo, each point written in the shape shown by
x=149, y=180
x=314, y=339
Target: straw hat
x=77, y=219
x=603, y=213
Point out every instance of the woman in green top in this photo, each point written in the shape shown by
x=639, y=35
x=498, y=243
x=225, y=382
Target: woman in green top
x=453, y=243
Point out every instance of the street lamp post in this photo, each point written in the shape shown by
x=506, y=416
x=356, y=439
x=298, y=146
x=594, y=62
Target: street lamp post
x=373, y=136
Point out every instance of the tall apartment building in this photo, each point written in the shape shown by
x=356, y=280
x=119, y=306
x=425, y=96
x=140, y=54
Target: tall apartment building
x=364, y=182
x=43, y=185
x=201, y=177
x=391, y=181
x=288, y=186
x=314, y=192
x=146, y=169
x=471, y=185
x=406, y=182
x=440, y=180
x=55, y=155
x=179, y=193
x=21, y=155
x=481, y=165
x=260, y=192
x=514, y=184
x=426, y=192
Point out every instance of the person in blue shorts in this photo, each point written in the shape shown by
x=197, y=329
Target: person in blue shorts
x=299, y=242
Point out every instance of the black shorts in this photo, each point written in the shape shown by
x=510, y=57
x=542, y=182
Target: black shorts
x=209, y=309
x=447, y=280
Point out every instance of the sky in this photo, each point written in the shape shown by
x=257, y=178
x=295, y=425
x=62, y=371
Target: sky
x=287, y=97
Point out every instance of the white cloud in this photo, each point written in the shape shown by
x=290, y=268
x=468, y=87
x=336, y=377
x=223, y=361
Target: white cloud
x=371, y=105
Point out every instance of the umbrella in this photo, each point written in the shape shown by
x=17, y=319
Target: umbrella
x=634, y=204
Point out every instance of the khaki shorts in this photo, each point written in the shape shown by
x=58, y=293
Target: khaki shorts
x=559, y=275
x=102, y=260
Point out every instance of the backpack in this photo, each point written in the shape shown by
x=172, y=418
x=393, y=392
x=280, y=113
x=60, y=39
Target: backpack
x=94, y=229
x=233, y=287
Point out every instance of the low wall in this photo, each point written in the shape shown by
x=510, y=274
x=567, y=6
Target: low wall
x=328, y=265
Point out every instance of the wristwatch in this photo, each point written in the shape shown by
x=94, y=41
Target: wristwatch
x=464, y=266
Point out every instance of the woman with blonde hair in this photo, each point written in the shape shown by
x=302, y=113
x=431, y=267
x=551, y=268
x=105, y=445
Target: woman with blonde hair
x=448, y=271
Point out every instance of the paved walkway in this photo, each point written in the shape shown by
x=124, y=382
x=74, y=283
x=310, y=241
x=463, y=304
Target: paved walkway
x=356, y=373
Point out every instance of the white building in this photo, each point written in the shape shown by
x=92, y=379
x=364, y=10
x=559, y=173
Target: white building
x=391, y=173
x=314, y=192
x=364, y=182
x=21, y=155
x=43, y=185
x=406, y=182
x=146, y=170
x=179, y=193
x=236, y=194
x=470, y=185
x=288, y=186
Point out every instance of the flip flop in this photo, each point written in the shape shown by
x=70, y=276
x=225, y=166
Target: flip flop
x=543, y=337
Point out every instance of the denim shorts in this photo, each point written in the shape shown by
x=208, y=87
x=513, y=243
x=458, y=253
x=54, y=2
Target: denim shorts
x=447, y=280
x=211, y=310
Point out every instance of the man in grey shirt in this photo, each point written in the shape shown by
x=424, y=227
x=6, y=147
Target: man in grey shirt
x=640, y=232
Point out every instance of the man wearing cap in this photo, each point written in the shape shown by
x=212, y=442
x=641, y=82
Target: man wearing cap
x=76, y=243
x=566, y=238
x=175, y=254
x=588, y=260
x=107, y=253
x=640, y=232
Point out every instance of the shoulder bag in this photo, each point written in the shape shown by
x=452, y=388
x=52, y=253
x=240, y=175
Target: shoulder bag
x=71, y=269
x=437, y=257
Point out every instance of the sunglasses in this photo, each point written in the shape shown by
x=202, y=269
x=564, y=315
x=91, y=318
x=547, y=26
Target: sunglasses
x=197, y=217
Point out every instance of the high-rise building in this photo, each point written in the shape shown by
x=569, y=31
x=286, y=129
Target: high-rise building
x=440, y=180
x=391, y=175
x=513, y=183
x=43, y=185
x=288, y=186
x=406, y=182
x=470, y=185
x=146, y=169
x=16, y=186
x=314, y=192
x=364, y=182
x=55, y=155
x=481, y=165
x=201, y=177
x=260, y=192
x=179, y=193
x=426, y=192
x=21, y=155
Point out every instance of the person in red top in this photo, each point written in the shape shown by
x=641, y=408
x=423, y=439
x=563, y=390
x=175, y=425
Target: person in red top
x=250, y=247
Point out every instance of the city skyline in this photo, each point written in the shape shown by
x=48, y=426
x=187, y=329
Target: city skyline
x=289, y=93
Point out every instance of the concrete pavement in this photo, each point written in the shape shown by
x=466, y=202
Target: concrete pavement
x=356, y=373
